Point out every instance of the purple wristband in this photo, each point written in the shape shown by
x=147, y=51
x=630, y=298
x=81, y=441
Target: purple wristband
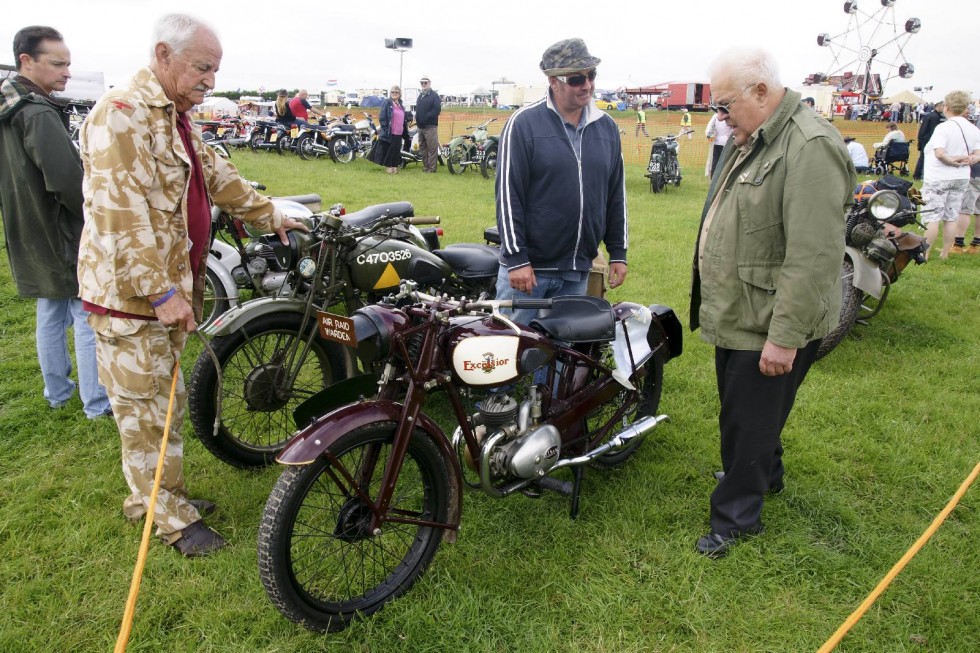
x=163, y=298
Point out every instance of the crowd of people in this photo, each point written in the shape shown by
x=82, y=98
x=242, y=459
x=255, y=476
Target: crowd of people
x=112, y=242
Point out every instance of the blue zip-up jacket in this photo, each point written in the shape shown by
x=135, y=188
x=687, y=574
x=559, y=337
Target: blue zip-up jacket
x=552, y=208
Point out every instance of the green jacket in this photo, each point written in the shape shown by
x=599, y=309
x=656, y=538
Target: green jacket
x=773, y=253
x=40, y=194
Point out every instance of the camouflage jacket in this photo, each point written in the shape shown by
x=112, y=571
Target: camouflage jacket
x=135, y=241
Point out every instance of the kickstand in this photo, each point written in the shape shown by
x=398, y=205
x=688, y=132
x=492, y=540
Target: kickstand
x=577, y=472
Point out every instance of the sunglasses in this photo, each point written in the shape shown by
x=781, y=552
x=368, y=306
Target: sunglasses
x=723, y=106
x=423, y=83
x=577, y=80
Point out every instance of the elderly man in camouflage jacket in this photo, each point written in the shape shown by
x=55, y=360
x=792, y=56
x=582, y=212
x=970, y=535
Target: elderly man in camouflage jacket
x=147, y=186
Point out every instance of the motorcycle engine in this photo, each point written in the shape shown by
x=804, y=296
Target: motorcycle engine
x=882, y=251
x=530, y=453
x=863, y=233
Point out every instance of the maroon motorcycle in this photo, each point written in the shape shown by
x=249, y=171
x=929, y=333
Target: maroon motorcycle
x=372, y=484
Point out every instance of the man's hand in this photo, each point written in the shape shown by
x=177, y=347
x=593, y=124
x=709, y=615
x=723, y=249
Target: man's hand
x=776, y=360
x=175, y=312
x=617, y=274
x=287, y=224
x=522, y=279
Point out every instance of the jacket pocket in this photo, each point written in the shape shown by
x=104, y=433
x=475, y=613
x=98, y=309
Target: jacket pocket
x=758, y=296
x=169, y=183
x=760, y=194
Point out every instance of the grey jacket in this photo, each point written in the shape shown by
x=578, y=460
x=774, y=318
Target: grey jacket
x=773, y=252
x=40, y=193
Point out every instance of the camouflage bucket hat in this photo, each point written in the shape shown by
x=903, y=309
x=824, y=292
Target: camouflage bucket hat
x=567, y=56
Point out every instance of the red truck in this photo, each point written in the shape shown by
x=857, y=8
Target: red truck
x=684, y=95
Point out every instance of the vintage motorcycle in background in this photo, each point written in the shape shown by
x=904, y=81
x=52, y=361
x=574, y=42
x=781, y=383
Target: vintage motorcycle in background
x=464, y=151
x=876, y=251
x=270, y=357
x=663, y=167
x=373, y=484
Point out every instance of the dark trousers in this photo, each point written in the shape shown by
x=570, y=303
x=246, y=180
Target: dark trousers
x=715, y=155
x=919, y=164
x=754, y=408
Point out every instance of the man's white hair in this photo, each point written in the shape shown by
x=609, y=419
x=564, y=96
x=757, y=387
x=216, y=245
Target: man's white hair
x=177, y=31
x=742, y=66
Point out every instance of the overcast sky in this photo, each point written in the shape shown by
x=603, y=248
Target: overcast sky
x=469, y=44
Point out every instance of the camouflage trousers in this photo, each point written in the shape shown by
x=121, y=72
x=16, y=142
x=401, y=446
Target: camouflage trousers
x=136, y=359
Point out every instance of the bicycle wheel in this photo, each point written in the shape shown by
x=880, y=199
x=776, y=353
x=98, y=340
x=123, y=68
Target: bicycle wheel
x=261, y=383
x=320, y=563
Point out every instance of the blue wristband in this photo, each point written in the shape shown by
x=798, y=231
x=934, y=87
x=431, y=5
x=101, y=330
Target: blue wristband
x=163, y=298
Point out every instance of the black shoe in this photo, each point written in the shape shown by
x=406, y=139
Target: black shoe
x=204, y=507
x=198, y=540
x=716, y=546
x=775, y=487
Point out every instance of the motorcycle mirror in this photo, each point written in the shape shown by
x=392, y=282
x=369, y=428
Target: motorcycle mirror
x=883, y=204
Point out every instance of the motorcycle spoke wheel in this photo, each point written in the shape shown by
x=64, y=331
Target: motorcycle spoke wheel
x=342, y=150
x=215, y=302
x=454, y=163
x=256, y=142
x=645, y=402
x=304, y=147
x=657, y=182
x=321, y=564
x=489, y=164
x=257, y=400
x=851, y=299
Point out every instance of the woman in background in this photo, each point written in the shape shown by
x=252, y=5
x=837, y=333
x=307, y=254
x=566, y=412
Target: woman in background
x=393, y=129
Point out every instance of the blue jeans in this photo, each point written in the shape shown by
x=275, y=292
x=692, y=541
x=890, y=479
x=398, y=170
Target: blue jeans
x=54, y=317
x=548, y=286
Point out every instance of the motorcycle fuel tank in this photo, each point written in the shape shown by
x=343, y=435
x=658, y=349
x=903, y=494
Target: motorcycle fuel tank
x=379, y=265
x=488, y=352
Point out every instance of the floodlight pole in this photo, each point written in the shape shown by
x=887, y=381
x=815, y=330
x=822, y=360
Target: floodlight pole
x=399, y=45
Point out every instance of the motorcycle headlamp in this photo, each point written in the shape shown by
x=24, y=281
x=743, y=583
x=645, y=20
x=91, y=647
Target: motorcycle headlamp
x=374, y=326
x=884, y=204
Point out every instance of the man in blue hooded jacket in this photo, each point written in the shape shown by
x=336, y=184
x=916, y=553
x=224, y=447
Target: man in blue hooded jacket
x=560, y=186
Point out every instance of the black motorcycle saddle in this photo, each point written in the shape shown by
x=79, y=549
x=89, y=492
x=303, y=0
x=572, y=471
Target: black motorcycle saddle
x=577, y=318
x=371, y=214
x=471, y=260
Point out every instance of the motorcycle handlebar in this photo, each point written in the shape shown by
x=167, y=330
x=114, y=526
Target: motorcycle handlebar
x=424, y=219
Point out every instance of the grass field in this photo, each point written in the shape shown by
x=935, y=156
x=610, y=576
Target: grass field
x=885, y=430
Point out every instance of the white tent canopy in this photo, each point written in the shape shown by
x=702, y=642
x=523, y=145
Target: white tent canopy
x=220, y=106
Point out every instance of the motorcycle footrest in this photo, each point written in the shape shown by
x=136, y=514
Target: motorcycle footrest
x=556, y=485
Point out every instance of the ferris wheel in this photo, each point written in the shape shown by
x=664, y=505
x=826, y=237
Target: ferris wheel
x=875, y=39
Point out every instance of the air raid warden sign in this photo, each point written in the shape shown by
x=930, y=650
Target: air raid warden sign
x=337, y=328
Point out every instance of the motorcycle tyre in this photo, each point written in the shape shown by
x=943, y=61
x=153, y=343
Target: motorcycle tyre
x=341, y=150
x=213, y=304
x=488, y=166
x=453, y=163
x=232, y=447
x=284, y=143
x=657, y=182
x=852, y=298
x=358, y=556
x=256, y=142
x=649, y=404
x=304, y=147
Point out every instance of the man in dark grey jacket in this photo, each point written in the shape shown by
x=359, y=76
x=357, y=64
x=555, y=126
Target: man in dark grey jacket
x=560, y=186
x=41, y=200
x=926, y=127
x=427, y=110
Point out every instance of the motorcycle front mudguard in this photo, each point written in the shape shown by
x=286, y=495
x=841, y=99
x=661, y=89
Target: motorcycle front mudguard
x=222, y=259
x=310, y=443
x=237, y=317
x=867, y=276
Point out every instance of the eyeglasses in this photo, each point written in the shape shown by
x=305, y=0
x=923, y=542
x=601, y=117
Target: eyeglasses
x=424, y=82
x=577, y=80
x=723, y=106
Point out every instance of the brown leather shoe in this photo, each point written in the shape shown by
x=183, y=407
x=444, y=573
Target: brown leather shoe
x=198, y=540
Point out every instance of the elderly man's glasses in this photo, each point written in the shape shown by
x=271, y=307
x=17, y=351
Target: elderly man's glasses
x=723, y=106
x=577, y=80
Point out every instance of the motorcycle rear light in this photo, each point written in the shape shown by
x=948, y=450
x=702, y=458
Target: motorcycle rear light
x=440, y=232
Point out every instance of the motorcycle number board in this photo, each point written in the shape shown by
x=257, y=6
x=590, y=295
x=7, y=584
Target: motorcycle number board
x=337, y=328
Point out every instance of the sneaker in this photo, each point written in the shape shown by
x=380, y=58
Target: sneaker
x=199, y=540
x=957, y=249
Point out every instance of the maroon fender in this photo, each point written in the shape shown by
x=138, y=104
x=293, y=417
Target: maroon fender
x=307, y=445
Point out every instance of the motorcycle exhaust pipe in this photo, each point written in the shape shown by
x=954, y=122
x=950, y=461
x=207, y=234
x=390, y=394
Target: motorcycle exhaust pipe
x=635, y=431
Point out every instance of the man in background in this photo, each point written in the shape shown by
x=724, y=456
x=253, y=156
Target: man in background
x=301, y=108
x=927, y=125
x=427, y=109
x=41, y=200
x=766, y=275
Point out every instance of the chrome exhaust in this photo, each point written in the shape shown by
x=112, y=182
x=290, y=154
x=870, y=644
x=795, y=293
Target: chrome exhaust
x=638, y=429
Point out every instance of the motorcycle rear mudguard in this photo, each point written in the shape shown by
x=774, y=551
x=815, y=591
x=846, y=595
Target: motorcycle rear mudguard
x=307, y=445
x=867, y=276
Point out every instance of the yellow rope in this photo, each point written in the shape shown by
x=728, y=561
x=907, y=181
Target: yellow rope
x=134, y=588
x=890, y=576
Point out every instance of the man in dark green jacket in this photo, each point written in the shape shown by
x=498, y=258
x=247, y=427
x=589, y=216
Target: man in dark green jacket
x=766, y=283
x=41, y=201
